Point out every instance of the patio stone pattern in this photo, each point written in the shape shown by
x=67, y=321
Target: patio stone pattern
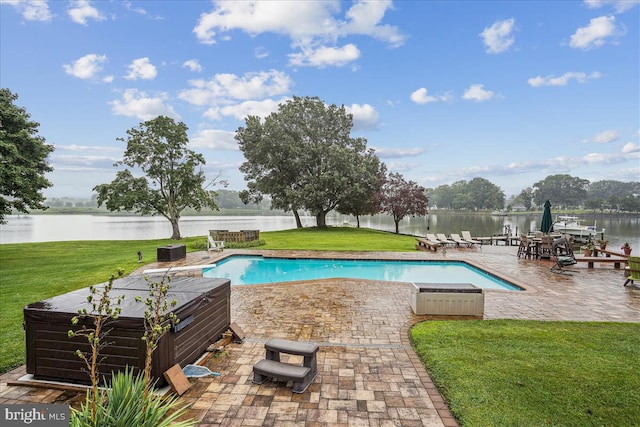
x=368, y=374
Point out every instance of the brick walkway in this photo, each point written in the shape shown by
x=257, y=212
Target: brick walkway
x=368, y=373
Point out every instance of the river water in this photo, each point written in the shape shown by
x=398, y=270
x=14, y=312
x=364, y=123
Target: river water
x=46, y=228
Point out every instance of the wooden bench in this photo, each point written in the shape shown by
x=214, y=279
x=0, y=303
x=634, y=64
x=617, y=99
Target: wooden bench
x=591, y=260
x=424, y=244
x=272, y=367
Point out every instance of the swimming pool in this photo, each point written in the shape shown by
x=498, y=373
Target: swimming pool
x=255, y=269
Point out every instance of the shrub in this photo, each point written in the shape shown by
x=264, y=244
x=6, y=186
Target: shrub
x=126, y=404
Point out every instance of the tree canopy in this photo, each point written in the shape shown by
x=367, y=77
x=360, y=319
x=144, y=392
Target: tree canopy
x=304, y=158
x=563, y=190
x=478, y=193
x=401, y=198
x=23, y=159
x=173, y=179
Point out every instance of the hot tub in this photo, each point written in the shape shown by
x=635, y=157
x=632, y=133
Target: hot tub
x=203, y=307
x=449, y=299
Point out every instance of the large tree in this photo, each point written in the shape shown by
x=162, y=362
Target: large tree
x=563, y=190
x=173, y=179
x=363, y=198
x=23, y=159
x=304, y=158
x=401, y=198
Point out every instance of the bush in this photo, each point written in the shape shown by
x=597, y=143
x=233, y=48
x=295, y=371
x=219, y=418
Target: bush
x=242, y=245
x=125, y=405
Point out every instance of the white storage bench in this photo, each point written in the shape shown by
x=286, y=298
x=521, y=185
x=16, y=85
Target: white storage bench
x=449, y=299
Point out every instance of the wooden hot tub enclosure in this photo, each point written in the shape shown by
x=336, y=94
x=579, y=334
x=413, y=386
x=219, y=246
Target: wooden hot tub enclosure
x=203, y=307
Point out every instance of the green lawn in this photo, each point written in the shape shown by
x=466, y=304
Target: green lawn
x=493, y=373
x=534, y=373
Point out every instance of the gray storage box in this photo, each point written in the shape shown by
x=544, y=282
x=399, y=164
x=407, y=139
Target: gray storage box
x=453, y=299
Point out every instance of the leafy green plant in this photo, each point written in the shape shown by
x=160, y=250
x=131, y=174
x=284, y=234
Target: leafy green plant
x=98, y=318
x=241, y=245
x=157, y=321
x=127, y=404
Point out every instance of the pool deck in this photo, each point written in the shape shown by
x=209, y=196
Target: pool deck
x=368, y=375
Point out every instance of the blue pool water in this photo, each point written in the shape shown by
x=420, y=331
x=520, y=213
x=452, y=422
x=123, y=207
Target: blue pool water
x=252, y=270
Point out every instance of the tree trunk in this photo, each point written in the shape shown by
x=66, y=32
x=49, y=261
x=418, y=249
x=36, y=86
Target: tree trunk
x=358, y=221
x=175, y=229
x=397, y=221
x=298, y=221
x=321, y=219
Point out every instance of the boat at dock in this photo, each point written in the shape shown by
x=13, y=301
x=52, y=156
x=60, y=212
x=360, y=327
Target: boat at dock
x=573, y=226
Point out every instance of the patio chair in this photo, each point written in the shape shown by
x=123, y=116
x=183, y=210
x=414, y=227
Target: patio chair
x=444, y=240
x=634, y=270
x=466, y=235
x=526, y=248
x=459, y=240
x=434, y=239
x=214, y=245
x=562, y=246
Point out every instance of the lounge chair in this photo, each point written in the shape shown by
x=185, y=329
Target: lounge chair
x=433, y=238
x=215, y=245
x=466, y=235
x=444, y=240
x=459, y=240
x=634, y=270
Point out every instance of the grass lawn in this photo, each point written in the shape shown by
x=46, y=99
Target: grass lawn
x=534, y=373
x=493, y=373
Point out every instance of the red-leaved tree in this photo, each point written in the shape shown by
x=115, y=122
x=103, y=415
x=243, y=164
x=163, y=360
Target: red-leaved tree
x=401, y=198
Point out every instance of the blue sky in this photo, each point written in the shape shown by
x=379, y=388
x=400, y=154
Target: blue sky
x=443, y=90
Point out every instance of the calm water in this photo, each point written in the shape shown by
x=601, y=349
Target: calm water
x=251, y=270
x=46, y=228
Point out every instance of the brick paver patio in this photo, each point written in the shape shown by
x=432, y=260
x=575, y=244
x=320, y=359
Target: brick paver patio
x=368, y=373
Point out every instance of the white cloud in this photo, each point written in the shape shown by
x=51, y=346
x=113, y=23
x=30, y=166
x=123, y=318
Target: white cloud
x=364, y=116
x=392, y=153
x=31, y=10
x=214, y=139
x=620, y=6
x=81, y=11
x=595, y=34
x=631, y=148
x=476, y=92
x=421, y=96
x=313, y=26
x=364, y=18
x=141, y=68
x=605, y=137
x=223, y=88
x=499, y=37
x=261, y=52
x=301, y=21
x=325, y=56
x=563, y=80
x=86, y=67
x=241, y=111
x=74, y=147
x=193, y=65
x=135, y=103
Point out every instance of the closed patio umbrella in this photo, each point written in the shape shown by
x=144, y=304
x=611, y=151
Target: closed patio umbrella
x=546, y=225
